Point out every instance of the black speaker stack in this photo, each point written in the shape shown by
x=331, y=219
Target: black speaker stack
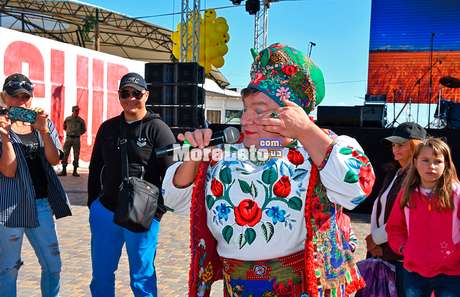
x=175, y=93
x=369, y=115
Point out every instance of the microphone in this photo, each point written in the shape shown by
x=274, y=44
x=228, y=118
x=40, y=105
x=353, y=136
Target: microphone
x=228, y=135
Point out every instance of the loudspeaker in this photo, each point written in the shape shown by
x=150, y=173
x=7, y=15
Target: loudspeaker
x=252, y=6
x=160, y=73
x=176, y=95
x=375, y=98
x=176, y=116
x=339, y=116
x=174, y=73
x=190, y=73
x=374, y=115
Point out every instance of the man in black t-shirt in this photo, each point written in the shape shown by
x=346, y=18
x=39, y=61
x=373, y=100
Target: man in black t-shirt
x=144, y=133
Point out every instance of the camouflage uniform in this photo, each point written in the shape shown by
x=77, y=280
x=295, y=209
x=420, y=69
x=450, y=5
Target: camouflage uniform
x=74, y=127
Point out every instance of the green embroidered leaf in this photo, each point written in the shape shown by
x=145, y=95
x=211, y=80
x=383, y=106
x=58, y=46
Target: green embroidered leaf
x=242, y=241
x=292, y=144
x=227, y=233
x=345, y=151
x=250, y=235
x=295, y=203
x=209, y=201
x=225, y=175
x=265, y=57
x=268, y=231
x=253, y=190
x=351, y=177
x=269, y=176
x=245, y=187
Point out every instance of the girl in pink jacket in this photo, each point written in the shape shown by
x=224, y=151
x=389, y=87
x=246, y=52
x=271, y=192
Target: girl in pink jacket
x=424, y=225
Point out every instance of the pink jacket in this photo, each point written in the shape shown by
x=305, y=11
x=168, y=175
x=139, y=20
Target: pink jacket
x=429, y=239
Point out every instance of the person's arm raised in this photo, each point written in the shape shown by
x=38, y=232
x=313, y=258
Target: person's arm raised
x=293, y=122
x=187, y=171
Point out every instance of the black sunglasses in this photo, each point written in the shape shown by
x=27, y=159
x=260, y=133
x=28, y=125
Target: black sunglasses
x=14, y=84
x=126, y=94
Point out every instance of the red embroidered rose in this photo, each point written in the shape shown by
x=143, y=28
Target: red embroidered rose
x=283, y=290
x=289, y=69
x=366, y=179
x=217, y=188
x=282, y=188
x=360, y=157
x=295, y=157
x=259, y=77
x=247, y=213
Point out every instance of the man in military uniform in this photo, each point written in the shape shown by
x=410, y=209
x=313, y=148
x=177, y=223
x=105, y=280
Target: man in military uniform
x=74, y=127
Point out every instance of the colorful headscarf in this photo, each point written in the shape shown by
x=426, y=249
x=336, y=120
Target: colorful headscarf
x=280, y=72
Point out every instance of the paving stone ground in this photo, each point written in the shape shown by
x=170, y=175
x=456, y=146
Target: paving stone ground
x=172, y=255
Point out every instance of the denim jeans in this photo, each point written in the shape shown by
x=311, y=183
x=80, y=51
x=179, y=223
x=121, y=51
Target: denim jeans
x=44, y=241
x=442, y=285
x=107, y=239
x=399, y=276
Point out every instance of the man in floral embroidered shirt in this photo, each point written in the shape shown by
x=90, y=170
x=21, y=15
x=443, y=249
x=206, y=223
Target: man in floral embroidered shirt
x=270, y=228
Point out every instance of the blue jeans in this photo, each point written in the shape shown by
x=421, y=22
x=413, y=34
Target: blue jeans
x=442, y=285
x=399, y=276
x=44, y=241
x=107, y=239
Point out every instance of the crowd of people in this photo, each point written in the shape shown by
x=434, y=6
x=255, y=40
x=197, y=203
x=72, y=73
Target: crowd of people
x=272, y=227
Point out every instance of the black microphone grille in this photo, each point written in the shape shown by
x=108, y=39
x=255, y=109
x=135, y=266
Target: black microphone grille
x=231, y=135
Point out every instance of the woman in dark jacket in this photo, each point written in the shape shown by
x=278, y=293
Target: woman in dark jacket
x=30, y=191
x=403, y=142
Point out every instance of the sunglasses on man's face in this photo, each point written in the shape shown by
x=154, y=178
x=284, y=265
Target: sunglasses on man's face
x=14, y=85
x=126, y=94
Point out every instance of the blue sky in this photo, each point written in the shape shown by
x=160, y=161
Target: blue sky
x=339, y=28
x=412, y=22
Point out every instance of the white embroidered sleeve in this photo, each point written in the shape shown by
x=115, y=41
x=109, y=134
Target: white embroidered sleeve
x=379, y=235
x=177, y=199
x=347, y=174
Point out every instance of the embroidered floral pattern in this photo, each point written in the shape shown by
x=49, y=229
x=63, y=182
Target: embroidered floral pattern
x=247, y=213
x=295, y=157
x=283, y=72
x=360, y=170
x=274, y=199
x=283, y=93
x=282, y=188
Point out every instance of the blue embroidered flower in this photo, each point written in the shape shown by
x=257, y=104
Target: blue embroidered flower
x=276, y=214
x=223, y=211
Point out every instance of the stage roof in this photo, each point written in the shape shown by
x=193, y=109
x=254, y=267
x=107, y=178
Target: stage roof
x=76, y=23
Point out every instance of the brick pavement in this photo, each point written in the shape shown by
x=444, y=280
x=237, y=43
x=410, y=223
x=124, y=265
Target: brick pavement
x=172, y=256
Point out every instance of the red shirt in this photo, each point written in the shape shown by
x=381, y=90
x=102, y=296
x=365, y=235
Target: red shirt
x=429, y=238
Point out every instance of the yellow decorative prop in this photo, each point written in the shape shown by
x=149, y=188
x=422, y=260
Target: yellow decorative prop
x=213, y=40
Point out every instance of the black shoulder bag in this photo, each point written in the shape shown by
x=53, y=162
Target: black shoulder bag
x=137, y=198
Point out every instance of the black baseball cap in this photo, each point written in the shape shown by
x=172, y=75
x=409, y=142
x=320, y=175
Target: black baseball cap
x=18, y=83
x=407, y=131
x=133, y=80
